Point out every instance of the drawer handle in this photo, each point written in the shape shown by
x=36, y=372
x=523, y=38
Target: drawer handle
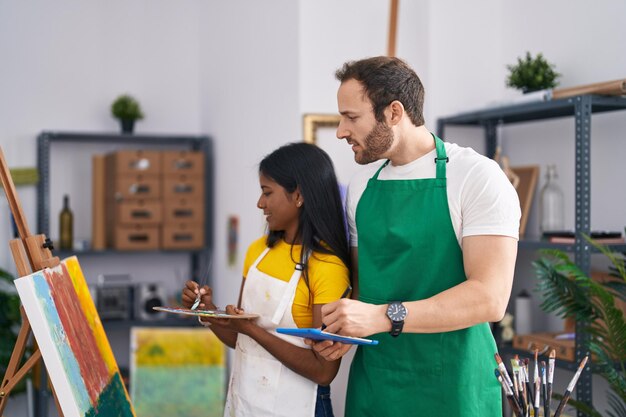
x=183, y=164
x=183, y=188
x=139, y=189
x=141, y=214
x=183, y=213
x=138, y=238
x=179, y=237
x=140, y=164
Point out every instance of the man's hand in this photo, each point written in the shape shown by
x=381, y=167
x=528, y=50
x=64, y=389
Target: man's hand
x=329, y=350
x=355, y=318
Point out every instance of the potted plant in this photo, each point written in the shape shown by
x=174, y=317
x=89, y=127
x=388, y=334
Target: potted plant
x=10, y=321
x=570, y=293
x=532, y=74
x=127, y=110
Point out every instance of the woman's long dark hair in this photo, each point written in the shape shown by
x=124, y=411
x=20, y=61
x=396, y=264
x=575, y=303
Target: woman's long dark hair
x=321, y=224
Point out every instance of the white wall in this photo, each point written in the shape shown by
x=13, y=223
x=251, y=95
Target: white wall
x=245, y=71
x=63, y=64
x=249, y=102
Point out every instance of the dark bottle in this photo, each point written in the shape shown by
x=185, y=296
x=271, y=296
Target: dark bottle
x=66, y=225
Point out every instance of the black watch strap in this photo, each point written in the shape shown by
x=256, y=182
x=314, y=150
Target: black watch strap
x=396, y=328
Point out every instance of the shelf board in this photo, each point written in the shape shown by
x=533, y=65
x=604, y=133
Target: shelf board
x=533, y=242
x=525, y=112
x=140, y=139
x=108, y=252
x=121, y=324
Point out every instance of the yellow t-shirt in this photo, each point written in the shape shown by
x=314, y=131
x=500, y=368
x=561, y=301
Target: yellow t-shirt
x=328, y=276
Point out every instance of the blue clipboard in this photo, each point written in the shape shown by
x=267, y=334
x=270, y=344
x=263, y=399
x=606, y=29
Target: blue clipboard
x=317, y=334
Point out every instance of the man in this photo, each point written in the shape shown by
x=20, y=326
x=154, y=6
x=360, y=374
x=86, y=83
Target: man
x=433, y=232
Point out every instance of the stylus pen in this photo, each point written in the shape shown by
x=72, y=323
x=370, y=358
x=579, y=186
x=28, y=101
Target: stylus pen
x=344, y=295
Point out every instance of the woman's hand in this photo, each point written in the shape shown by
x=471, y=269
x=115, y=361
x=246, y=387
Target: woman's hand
x=243, y=326
x=190, y=293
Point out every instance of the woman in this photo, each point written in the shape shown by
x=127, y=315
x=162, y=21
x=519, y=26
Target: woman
x=302, y=264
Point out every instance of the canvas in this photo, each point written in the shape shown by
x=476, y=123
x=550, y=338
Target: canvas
x=74, y=347
x=177, y=372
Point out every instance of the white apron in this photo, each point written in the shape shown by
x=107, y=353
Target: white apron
x=260, y=385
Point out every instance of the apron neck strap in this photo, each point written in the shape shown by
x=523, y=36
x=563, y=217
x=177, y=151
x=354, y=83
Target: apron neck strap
x=380, y=169
x=441, y=160
x=288, y=295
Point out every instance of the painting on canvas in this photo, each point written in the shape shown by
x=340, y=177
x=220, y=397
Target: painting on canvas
x=74, y=347
x=185, y=364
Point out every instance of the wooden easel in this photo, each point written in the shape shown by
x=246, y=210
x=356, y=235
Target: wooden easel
x=393, y=28
x=31, y=254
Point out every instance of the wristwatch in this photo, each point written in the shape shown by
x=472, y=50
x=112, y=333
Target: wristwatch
x=397, y=312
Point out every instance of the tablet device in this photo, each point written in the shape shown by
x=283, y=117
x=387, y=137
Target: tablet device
x=220, y=314
x=317, y=334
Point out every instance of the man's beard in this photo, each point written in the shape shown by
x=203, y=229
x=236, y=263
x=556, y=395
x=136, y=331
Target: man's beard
x=376, y=143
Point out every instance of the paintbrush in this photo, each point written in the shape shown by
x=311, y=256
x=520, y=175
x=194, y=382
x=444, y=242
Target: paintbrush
x=507, y=379
x=537, y=383
x=518, y=382
x=203, y=280
x=344, y=295
x=537, y=403
x=509, y=393
x=523, y=381
x=544, y=393
x=529, y=391
x=551, y=360
x=570, y=387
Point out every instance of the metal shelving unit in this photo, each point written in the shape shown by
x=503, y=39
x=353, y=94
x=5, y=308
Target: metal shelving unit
x=197, y=143
x=581, y=108
x=47, y=139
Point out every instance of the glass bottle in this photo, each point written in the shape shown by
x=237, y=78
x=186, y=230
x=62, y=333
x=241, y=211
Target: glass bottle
x=551, y=203
x=66, y=224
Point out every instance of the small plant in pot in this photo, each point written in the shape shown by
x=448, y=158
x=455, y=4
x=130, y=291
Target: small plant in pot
x=532, y=74
x=127, y=110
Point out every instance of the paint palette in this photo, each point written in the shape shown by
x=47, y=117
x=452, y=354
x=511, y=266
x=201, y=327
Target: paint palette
x=220, y=314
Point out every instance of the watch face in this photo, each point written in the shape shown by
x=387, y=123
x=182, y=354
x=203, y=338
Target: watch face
x=396, y=311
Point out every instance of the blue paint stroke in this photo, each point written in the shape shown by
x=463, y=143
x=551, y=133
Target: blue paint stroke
x=60, y=342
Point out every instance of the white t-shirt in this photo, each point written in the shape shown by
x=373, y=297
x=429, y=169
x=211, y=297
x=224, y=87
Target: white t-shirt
x=481, y=198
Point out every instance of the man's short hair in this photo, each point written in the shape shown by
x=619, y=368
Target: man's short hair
x=384, y=80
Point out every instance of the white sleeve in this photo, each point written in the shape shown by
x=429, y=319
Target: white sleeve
x=489, y=203
x=357, y=186
x=351, y=201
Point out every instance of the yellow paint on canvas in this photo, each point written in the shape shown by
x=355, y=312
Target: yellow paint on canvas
x=89, y=308
x=167, y=346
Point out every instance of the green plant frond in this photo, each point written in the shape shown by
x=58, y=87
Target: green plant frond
x=616, y=287
x=556, y=254
x=617, y=404
x=6, y=276
x=613, y=329
x=618, y=263
x=571, y=293
x=618, y=269
x=561, y=294
x=609, y=370
x=580, y=406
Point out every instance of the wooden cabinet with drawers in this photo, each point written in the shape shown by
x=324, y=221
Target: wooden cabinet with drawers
x=155, y=199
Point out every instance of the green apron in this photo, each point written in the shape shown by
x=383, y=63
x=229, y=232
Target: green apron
x=408, y=251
